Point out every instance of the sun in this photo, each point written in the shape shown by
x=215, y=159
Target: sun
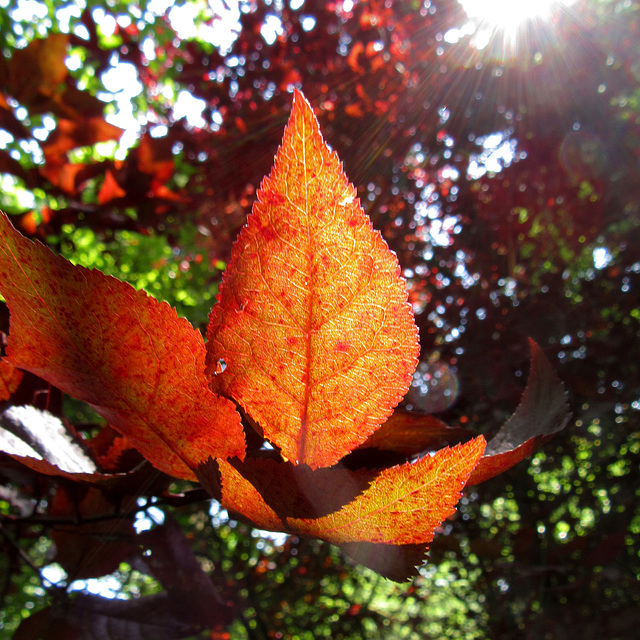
x=507, y=17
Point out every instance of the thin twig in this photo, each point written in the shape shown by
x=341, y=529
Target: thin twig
x=191, y=497
x=21, y=552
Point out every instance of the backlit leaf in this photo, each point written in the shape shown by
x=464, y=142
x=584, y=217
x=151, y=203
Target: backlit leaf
x=241, y=497
x=294, y=490
x=312, y=333
x=123, y=352
x=386, y=527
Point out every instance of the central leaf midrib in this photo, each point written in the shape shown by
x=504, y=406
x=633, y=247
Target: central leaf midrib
x=304, y=414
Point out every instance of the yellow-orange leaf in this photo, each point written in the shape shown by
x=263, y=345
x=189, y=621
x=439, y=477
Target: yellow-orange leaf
x=404, y=504
x=386, y=527
x=241, y=497
x=312, y=333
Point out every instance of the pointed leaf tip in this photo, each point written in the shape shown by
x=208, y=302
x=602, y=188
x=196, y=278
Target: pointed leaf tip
x=312, y=318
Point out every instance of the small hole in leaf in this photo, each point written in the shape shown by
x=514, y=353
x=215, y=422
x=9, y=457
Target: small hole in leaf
x=221, y=365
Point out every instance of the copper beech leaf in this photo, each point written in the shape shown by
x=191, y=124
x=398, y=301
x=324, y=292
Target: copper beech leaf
x=37, y=440
x=542, y=412
x=312, y=333
x=410, y=434
x=397, y=562
x=126, y=354
x=31, y=435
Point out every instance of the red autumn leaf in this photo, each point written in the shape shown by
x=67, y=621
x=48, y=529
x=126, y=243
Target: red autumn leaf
x=126, y=354
x=38, y=78
x=295, y=490
x=162, y=191
x=312, y=325
x=70, y=134
x=110, y=189
x=404, y=504
x=239, y=496
x=494, y=464
x=155, y=158
x=413, y=433
x=113, y=452
x=63, y=174
x=37, y=72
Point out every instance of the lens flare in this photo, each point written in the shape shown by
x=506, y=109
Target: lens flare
x=507, y=17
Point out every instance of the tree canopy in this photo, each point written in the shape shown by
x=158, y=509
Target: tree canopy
x=500, y=163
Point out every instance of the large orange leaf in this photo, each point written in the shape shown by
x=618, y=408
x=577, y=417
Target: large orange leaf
x=126, y=354
x=312, y=333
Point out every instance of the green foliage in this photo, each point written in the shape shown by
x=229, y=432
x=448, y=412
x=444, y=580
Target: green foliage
x=344, y=603
x=25, y=591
